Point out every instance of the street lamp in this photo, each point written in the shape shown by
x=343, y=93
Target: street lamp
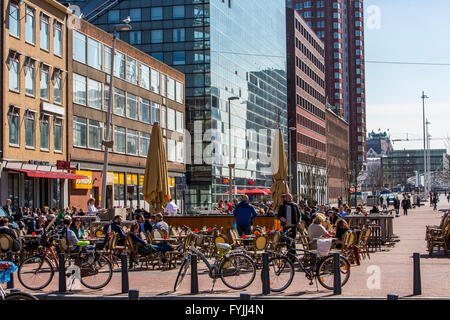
x=230, y=165
x=107, y=141
x=425, y=186
x=291, y=129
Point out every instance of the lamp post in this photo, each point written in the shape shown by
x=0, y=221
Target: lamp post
x=107, y=141
x=230, y=165
x=291, y=129
x=425, y=185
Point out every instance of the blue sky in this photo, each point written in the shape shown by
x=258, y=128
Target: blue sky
x=410, y=31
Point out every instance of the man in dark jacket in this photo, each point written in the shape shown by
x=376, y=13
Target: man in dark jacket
x=17, y=244
x=116, y=227
x=396, y=206
x=406, y=204
x=244, y=213
x=290, y=217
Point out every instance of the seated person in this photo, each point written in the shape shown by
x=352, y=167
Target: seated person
x=385, y=210
x=341, y=228
x=4, y=229
x=316, y=230
x=359, y=210
x=160, y=224
x=115, y=226
x=77, y=228
x=374, y=209
x=144, y=224
x=71, y=237
x=37, y=225
x=143, y=247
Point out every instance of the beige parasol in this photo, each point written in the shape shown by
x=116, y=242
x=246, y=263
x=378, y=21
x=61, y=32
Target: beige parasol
x=279, y=170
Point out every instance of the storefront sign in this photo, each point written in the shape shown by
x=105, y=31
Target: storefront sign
x=63, y=165
x=83, y=183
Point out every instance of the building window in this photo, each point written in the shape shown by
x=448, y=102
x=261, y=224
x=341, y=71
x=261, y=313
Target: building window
x=30, y=130
x=155, y=81
x=135, y=37
x=178, y=35
x=179, y=92
x=29, y=26
x=45, y=33
x=94, y=54
x=171, y=120
x=57, y=38
x=157, y=13
x=14, y=127
x=119, y=102
x=95, y=135
x=178, y=12
x=144, y=80
x=57, y=87
x=180, y=151
x=119, y=65
x=14, y=19
x=107, y=59
x=163, y=117
x=180, y=122
x=145, y=110
x=155, y=112
x=14, y=76
x=179, y=57
x=79, y=47
x=132, y=106
x=132, y=142
x=135, y=15
x=57, y=135
x=132, y=72
x=79, y=89
x=157, y=36
x=163, y=85
x=113, y=16
x=144, y=143
x=171, y=88
x=79, y=132
x=44, y=85
x=158, y=56
x=105, y=97
x=94, y=94
x=171, y=152
x=44, y=133
x=119, y=140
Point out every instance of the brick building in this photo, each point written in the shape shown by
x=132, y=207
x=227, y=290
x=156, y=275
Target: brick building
x=34, y=103
x=306, y=109
x=337, y=157
x=145, y=91
x=340, y=25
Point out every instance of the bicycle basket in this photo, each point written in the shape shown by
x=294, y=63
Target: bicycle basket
x=323, y=247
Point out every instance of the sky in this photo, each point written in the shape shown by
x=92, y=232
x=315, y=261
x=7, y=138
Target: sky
x=408, y=31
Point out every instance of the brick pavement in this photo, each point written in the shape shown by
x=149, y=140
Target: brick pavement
x=394, y=263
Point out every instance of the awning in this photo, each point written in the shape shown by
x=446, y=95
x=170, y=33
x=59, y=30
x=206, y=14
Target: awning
x=50, y=174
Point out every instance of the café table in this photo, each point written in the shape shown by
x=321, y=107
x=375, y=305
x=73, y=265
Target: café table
x=385, y=222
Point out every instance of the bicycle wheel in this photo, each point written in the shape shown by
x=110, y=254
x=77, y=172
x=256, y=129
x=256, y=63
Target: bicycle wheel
x=20, y=296
x=325, y=272
x=237, y=271
x=183, y=270
x=35, y=273
x=96, y=275
x=281, y=273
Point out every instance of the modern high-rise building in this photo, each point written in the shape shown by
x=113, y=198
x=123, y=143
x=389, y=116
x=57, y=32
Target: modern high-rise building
x=340, y=25
x=233, y=54
x=306, y=109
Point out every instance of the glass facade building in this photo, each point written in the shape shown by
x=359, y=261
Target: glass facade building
x=226, y=49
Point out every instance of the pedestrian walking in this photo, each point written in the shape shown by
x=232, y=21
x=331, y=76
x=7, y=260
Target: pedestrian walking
x=405, y=205
x=289, y=215
x=448, y=197
x=244, y=213
x=381, y=201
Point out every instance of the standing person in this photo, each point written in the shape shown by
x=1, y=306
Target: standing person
x=339, y=202
x=7, y=208
x=290, y=217
x=405, y=206
x=448, y=197
x=171, y=208
x=244, y=213
x=396, y=206
x=435, y=201
x=381, y=201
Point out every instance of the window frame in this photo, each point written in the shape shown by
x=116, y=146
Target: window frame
x=29, y=9
x=16, y=6
x=41, y=22
x=58, y=122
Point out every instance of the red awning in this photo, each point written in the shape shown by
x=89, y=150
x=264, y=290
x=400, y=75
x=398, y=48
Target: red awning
x=267, y=191
x=256, y=191
x=50, y=174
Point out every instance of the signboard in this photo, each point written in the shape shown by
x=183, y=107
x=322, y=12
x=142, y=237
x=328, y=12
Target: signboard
x=83, y=183
x=52, y=108
x=180, y=183
x=63, y=165
x=171, y=182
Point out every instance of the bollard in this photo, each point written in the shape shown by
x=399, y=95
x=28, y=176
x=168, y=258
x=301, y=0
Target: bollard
x=62, y=274
x=265, y=274
x=245, y=296
x=133, y=295
x=125, y=283
x=391, y=296
x=417, y=280
x=337, y=288
x=10, y=284
x=194, y=274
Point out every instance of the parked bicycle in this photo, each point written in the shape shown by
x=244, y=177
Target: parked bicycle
x=36, y=272
x=6, y=268
x=320, y=268
x=234, y=267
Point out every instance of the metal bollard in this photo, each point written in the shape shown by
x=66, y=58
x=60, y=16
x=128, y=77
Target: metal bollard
x=417, y=279
x=62, y=274
x=10, y=284
x=337, y=287
x=391, y=296
x=194, y=274
x=265, y=274
x=245, y=296
x=133, y=295
x=125, y=282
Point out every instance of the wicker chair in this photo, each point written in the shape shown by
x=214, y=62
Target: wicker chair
x=440, y=239
x=6, y=244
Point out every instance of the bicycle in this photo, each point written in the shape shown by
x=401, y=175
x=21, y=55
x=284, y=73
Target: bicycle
x=36, y=272
x=5, y=278
x=320, y=268
x=234, y=267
